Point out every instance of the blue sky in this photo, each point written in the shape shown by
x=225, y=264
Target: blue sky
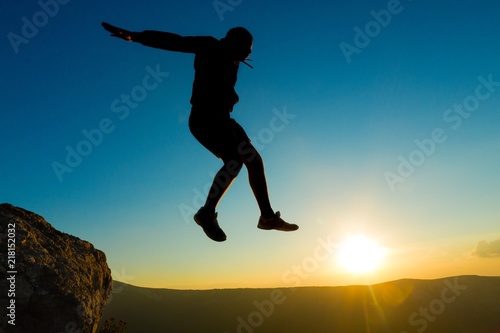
x=330, y=131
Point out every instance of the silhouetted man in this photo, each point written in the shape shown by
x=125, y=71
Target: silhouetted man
x=216, y=66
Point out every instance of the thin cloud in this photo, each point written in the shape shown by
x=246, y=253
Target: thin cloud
x=486, y=249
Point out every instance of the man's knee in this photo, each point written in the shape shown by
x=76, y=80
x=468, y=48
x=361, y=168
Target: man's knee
x=248, y=153
x=233, y=166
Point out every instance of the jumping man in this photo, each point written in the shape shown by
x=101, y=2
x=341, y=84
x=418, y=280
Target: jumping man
x=213, y=97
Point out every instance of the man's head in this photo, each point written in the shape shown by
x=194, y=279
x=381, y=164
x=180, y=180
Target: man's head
x=239, y=40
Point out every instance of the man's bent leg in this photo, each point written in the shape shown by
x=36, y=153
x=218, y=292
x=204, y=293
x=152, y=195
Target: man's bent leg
x=222, y=181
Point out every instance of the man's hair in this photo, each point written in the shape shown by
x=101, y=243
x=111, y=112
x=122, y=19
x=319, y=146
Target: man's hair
x=239, y=34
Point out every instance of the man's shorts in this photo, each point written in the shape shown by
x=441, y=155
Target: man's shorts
x=224, y=137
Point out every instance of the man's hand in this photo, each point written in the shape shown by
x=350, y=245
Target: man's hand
x=117, y=32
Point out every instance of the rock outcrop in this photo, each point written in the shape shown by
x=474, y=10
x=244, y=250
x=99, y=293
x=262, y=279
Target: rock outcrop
x=56, y=283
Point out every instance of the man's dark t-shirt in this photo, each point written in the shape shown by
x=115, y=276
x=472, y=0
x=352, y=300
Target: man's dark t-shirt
x=213, y=94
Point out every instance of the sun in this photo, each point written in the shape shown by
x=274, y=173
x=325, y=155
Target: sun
x=360, y=254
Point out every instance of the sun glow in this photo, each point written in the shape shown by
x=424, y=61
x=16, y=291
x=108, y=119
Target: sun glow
x=360, y=254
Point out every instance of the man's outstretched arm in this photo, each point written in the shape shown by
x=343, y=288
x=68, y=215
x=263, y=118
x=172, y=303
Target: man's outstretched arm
x=161, y=40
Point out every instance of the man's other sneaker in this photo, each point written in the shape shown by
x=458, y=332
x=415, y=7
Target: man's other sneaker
x=276, y=223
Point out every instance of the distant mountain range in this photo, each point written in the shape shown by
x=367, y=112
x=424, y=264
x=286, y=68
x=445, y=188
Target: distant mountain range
x=463, y=304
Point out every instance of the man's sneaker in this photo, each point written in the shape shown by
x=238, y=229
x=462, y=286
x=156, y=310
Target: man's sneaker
x=277, y=223
x=208, y=221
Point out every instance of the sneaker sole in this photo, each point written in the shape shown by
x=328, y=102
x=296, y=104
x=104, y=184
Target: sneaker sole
x=271, y=228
